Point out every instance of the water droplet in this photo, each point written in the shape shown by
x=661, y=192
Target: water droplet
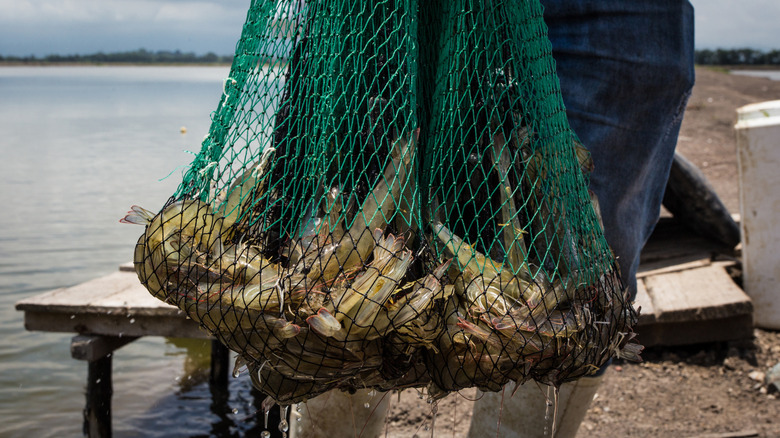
x=235, y=410
x=97, y=380
x=434, y=411
x=550, y=414
x=72, y=316
x=265, y=434
x=240, y=363
x=366, y=405
x=265, y=421
x=556, y=393
x=283, y=425
x=132, y=320
x=372, y=393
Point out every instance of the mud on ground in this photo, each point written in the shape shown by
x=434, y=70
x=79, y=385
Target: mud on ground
x=693, y=391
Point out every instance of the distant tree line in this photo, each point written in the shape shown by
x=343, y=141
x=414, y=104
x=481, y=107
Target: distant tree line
x=737, y=57
x=140, y=56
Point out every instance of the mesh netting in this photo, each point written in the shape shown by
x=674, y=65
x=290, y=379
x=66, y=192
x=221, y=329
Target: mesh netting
x=390, y=196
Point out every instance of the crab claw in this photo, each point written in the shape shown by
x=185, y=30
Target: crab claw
x=324, y=323
x=288, y=330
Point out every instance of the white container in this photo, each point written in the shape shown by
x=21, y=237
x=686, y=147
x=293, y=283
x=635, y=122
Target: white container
x=758, y=153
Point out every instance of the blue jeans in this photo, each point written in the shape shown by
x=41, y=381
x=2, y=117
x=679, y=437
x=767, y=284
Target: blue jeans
x=626, y=71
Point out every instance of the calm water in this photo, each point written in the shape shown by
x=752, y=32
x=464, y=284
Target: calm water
x=80, y=145
x=771, y=74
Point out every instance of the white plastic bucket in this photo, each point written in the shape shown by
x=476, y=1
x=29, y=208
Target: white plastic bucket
x=758, y=154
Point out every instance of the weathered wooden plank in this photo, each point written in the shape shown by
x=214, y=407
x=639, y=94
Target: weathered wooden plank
x=85, y=293
x=705, y=293
x=735, y=328
x=114, y=324
x=644, y=305
x=92, y=347
x=136, y=297
x=672, y=265
x=119, y=292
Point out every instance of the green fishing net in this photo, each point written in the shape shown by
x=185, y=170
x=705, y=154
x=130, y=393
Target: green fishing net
x=390, y=196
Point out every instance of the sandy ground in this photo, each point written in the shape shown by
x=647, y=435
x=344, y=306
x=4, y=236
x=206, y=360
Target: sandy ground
x=707, y=136
x=712, y=390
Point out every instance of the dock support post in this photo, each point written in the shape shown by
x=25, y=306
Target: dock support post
x=97, y=351
x=97, y=413
x=220, y=358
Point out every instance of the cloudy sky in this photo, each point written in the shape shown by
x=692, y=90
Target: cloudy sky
x=42, y=27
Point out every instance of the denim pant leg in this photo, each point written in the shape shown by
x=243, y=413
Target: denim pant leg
x=626, y=71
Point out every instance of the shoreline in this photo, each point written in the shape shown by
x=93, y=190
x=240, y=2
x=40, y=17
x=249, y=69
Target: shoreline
x=113, y=64
x=41, y=63
x=741, y=67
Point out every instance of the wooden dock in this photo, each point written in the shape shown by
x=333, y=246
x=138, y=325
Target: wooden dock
x=685, y=293
x=114, y=305
x=108, y=313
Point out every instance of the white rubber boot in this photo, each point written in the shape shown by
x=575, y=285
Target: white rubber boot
x=523, y=415
x=338, y=414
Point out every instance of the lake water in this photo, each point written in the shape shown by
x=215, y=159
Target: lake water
x=80, y=145
x=771, y=74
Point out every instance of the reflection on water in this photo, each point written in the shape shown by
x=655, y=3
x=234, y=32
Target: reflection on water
x=196, y=409
x=80, y=145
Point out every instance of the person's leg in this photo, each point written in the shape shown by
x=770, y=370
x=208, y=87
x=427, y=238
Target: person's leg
x=529, y=411
x=626, y=70
x=337, y=414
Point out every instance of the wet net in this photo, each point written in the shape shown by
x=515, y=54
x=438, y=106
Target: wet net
x=390, y=196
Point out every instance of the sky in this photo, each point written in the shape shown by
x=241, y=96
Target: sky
x=43, y=27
